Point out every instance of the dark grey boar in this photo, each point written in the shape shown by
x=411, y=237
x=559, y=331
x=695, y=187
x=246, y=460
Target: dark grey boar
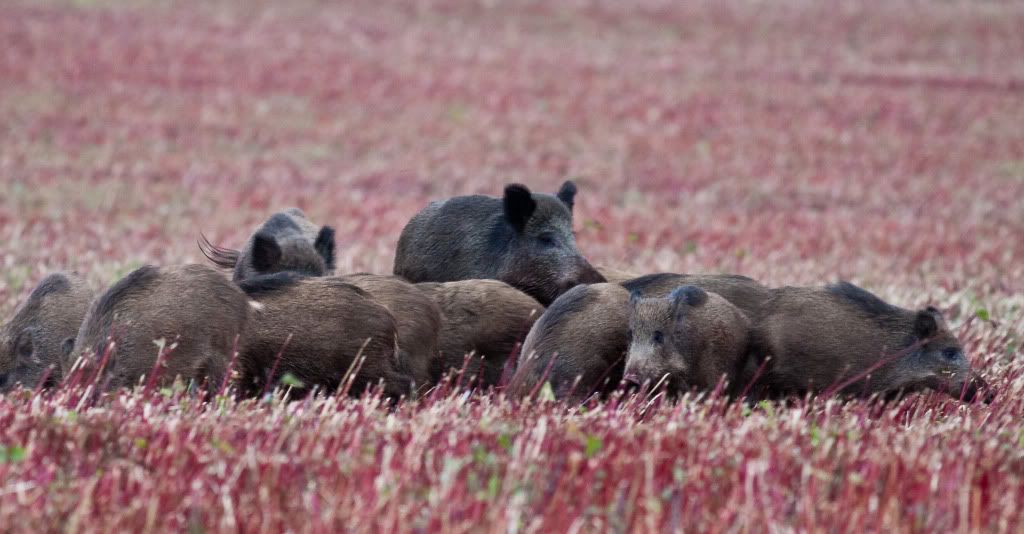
x=191, y=307
x=843, y=338
x=689, y=339
x=418, y=319
x=578, y=345
x=315, y=329
x=523, y=239
x=747, y=294
x=43, y=328
x=286, y=242
x=485, y=318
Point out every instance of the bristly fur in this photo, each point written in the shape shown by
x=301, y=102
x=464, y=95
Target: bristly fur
x=564, y=308
x=638, y=284
x=55, y=283
x=225, y=258
x=863, y=298
x=137, y=280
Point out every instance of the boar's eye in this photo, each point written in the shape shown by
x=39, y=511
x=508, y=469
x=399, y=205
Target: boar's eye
x=659, y=338
x=952, y=353
x=546, y=240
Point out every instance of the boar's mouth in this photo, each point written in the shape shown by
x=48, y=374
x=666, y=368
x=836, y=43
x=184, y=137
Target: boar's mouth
x=967, y=387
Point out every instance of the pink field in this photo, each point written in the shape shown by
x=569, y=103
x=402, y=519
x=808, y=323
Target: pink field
x=795, y=141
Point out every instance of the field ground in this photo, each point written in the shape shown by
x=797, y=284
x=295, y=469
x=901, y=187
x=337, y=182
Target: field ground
x=796, y=142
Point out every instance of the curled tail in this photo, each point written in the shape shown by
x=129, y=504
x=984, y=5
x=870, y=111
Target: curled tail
x=224, y=258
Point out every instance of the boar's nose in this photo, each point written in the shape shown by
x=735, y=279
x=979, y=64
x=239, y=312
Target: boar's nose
x=588, y=274
x=585, y=274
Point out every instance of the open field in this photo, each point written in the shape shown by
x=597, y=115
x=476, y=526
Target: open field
x=796, y=142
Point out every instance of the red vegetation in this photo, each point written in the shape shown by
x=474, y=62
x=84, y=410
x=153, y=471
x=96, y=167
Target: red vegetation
x=796, y=142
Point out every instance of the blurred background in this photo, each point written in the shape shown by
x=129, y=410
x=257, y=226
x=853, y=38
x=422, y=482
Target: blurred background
x=793, y=141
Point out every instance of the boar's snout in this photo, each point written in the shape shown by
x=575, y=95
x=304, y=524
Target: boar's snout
x=588, y=274
x=584, y=274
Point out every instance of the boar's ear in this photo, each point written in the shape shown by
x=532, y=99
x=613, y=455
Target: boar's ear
x=925, y=324
x=567, y=194
x=265, y=252
x=519, y=205
x=635, y=296
x=324, y=245
x=691, y=295
x=686, y=296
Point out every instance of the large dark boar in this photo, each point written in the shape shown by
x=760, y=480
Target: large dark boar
x=745, y=293
x=418, y=319
x=689, y=339
x=191, y=307
x=287, y=241
x=843, y=338
x=487, y=318
x=314, y=329
x=578, y=345
x=524, y=239
x=43, y=328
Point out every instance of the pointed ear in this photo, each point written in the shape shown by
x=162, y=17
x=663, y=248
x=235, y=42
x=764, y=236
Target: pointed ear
x=925, y=324
x=689, y=295
x=635, y=296
x=25, y=344
x=324, y=245
x=519, y=205
x=567, y=194
x=684, y=296
x=266, y=253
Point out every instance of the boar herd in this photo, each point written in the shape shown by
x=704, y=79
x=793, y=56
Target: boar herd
x=486, y=293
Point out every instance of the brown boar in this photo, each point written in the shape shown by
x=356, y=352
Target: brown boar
x=43, y=328
x=193, y=308
x=315, y=329
x=578, y=345
x=841, y=338
x=286, y=242
x=418, y=319
x=689, y=339
x=523, y=239
x=485, y=318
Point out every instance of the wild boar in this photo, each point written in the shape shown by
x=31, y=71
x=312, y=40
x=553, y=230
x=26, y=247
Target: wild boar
x=315, y=329
x=417, y=318
x=197, y=312
x=485, y=318
x=523, y=239
x=578, y=345
x=843, y=338
x=287, y=241
x=43, y=328
x=689, y=339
